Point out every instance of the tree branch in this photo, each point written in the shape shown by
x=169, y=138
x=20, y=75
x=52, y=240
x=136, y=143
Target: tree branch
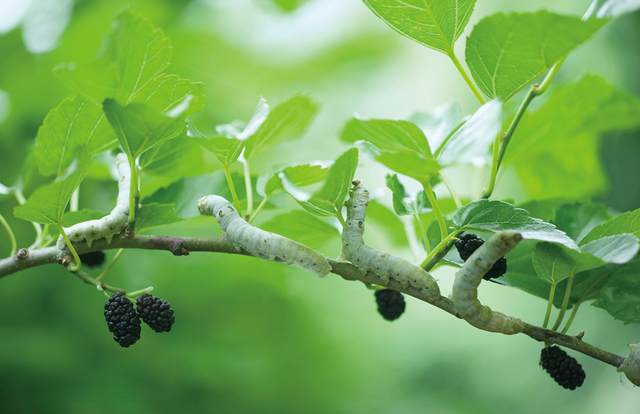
x=182, y=246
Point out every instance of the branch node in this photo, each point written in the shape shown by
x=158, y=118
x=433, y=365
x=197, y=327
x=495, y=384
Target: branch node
x=21, y=254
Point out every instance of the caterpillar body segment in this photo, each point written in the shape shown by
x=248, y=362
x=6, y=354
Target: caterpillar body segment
x=381, y=263
x=262, y=243
x=111, y=224
x=631, y=364
x=468, y=278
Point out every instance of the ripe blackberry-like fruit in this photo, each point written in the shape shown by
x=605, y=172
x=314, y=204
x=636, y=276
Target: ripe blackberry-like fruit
x=564, y=369
x=155, y=312
x=469, y=243
x=93, y=258
x=390, y=303
x=122, y=320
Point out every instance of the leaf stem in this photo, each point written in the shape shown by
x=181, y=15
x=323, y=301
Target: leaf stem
x=570, y=321
x=14, y=245
x=423, y=233
x=232, y=188
x=339, y=216
x=451, y=189
x=76, y=258
x=134, y=195
x=247, y=183
x=111, y=264
x=437, y=252
x=262, y=204
x=565, y=303
x=549, y=305
x=73, y=204
x=495, y=163
x=86, y=278
x=139, y=292
x=436, y=208
x=466, y=77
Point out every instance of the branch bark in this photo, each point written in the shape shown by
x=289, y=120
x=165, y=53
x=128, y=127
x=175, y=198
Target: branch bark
x=182, y=246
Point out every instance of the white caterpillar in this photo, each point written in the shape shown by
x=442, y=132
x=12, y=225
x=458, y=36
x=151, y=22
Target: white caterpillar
x=381, y=263
x=262, y=243
x=111, y=224
x=631, y=364
x=465, y=287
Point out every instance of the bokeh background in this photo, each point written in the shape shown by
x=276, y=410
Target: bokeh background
x=259, y=337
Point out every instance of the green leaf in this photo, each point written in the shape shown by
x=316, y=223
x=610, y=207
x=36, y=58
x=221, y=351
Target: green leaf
x=407, y=203
x=388, y=135
x=135, y=55
x=603, y=9
x=579, y=218
x=494, y=216
x=140, y=127
x=298, y=176
x=556, y=149
x=155, y=215
x=140, y=53
x=506, y=53
x=303, y=228
x=96, y=81
x=474, y=138
x=438, y=124
x=436, y=24
x=74, y=217
x=286, y=121
x=167, y=92
x=339, y=180
x=406, y=163
x=172, y=161
x=628, y=222
x=617, y=249
x=73, y=124
x=552, y=263
x=47, y=204
x=289, y=5
x=186, y=193
x=522, y=275
x=620, y=296
x=545, y=209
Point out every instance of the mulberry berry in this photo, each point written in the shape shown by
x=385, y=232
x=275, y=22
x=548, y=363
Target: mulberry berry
x=122, y=320
x=155, y=312
x=92, y=259
x=469, y=243
x=390, y=303
x=564, y=369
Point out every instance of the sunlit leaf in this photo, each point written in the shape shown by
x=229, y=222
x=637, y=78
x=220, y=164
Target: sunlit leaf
x=602, y=9
x=286, y=121
x=140, y=127
x=438, y=124
x=436, y=24
x=494, y=216
x=73, y=124
x=47, y=204
x=155, y=215
x=388, y=135
x=299, y=176
x=556, y=148
x=628, y=222
x=474, y=138
x=506, y=53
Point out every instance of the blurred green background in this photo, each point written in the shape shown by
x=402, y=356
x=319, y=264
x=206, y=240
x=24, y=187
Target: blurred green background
x=259, y=337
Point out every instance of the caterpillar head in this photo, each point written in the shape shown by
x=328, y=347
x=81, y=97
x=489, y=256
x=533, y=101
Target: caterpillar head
x=631, y=364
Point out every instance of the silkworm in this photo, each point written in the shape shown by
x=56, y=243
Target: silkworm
x=260, y=243
x=465, y=287
x=111, y=224
x=631, y=364
x=381, y=263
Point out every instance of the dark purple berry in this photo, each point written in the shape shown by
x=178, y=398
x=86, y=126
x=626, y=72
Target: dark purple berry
x=469, y=243
x=390, y=303
x=564, y=369
x=122, y=320
x=155, y=312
